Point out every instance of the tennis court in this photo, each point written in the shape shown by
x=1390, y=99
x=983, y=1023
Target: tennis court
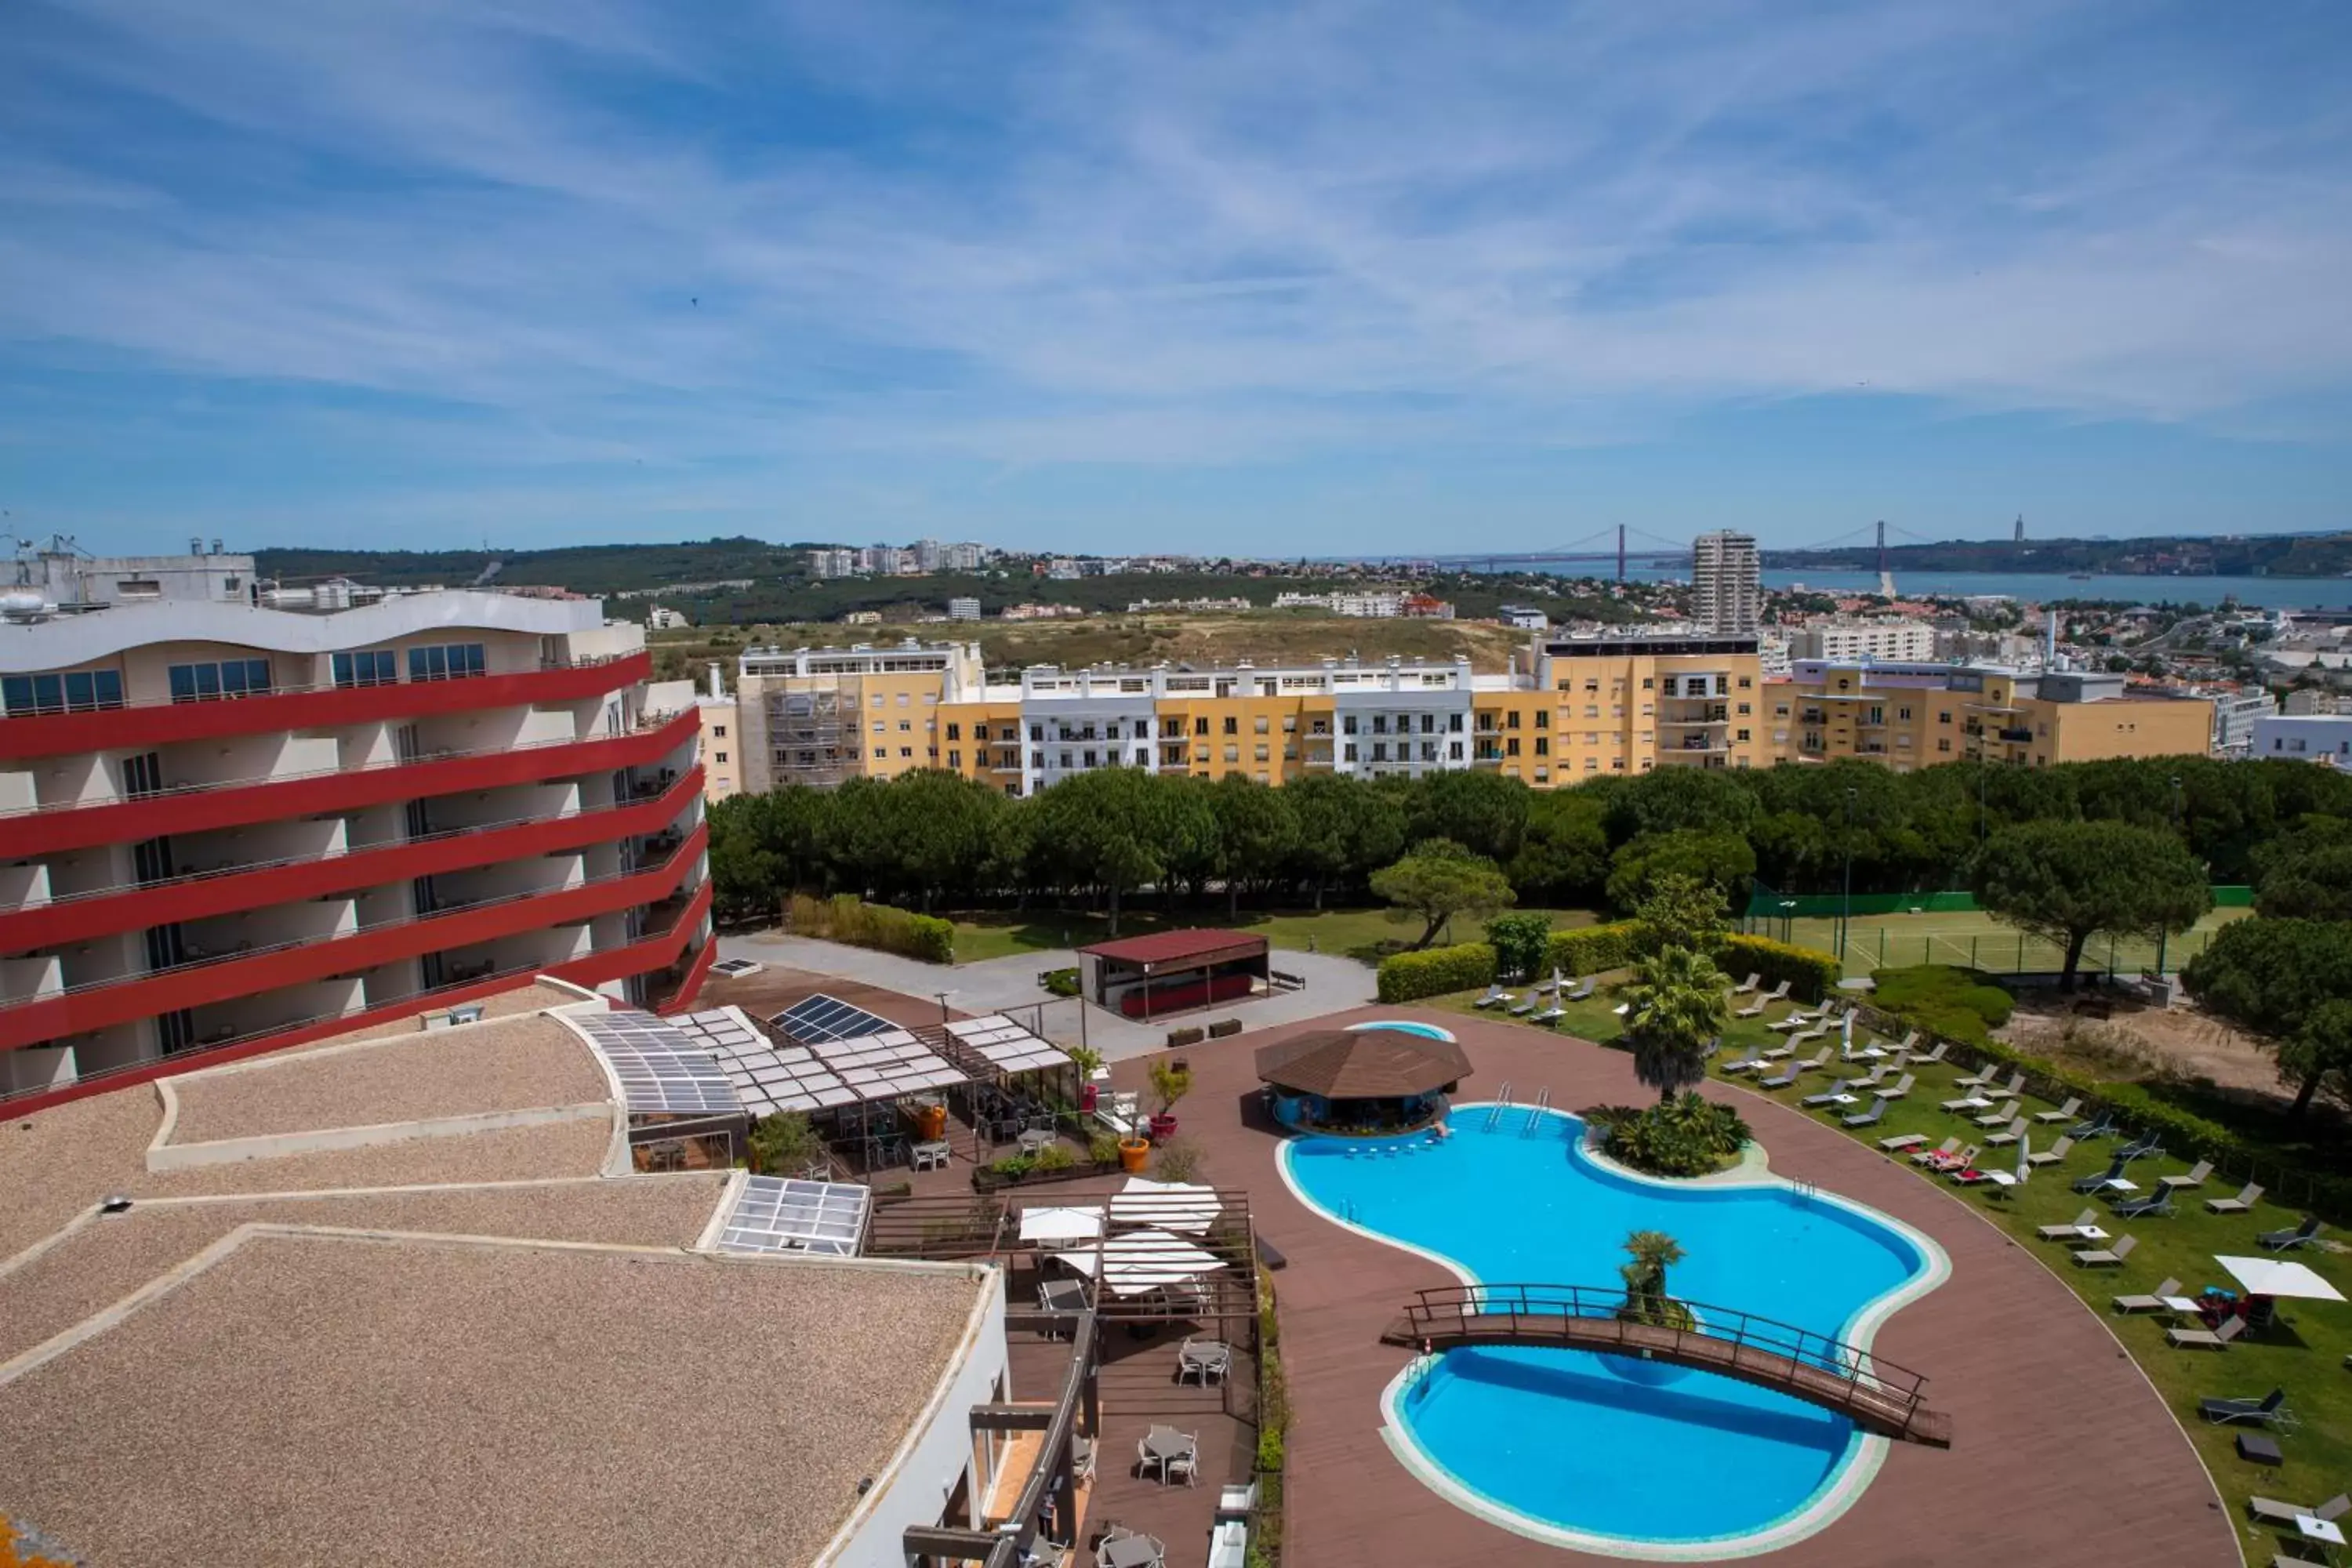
x=1977, y=940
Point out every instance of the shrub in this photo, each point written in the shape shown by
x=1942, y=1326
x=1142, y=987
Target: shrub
x=1061, y=982
x=1184, y=1037
x=1594, y=949
x=1691, y=1136
x=1055, y=1157
x=1103, y=1148
x=1013, y=1167
x=845, y=917
x=1434, y=972
x=1521, y=943
x=1960, y=1003
x=1179, y=1160
x=1223, y=1028
x=1812, y=974
x=1170, y=1083
x=784, y=1144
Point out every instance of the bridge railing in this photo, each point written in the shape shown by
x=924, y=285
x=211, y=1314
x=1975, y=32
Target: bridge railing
x=1761, y=1349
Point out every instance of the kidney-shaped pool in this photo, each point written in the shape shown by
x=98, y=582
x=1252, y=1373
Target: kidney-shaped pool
x=1588, y=1450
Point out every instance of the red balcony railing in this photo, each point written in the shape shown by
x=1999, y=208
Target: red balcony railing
x=101, y=911
x=195, y=808
x=656, y=951
x=159, y=724
x=102, y=1003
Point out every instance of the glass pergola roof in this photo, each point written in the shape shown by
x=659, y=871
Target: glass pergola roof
x=663, y=1071
x=778, y=1214
x=1006, y=1045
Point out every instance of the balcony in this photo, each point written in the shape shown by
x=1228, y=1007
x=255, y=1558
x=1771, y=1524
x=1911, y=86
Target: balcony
x=198, y=895
x=659, y=950
x=198, y=808
x=82, y=1008
x=147, y=724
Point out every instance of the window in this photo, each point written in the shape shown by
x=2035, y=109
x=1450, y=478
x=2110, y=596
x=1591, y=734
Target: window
x=1454, y=751
x=1744, y=708
x=451, y=661
x=902, y=699
x=1543, y=746
x=1037, y=732
x=1348, y=753
x=1232, y=725
x=1261, y=724
x=880, y=727
x=1037, y=760
x=1511, y=747
x=1743, y=735
x=719, y=756
x=1348, y=725
x=1744, y=682
x=1379, y=750
x=906, y=726
x=1233, y=754
x=1262, y=755
x=1903, y=714
x=81, y=692
x=905, y=752
x=979, y=732
x=364, y=668
x=955, y=732
x=718, y=731
x=1942, y=716
x=1543, y=720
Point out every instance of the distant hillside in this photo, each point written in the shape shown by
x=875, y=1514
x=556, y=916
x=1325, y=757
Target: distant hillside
x=2253, y=555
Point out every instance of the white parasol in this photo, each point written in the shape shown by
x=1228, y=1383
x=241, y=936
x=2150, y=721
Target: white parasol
x=2276, y=1276
x=1175, y=1206
x=1137, y=1262
x=1061, y=1224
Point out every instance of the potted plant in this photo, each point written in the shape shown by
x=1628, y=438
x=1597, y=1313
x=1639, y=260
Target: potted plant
x=1133, y=1152
x=932, y=1121
x=1170, y=1081
x=1089, y=1062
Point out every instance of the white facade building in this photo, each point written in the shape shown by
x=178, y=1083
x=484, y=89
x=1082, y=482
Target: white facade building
x=2235, y=714
x=1727, y=580
x=1847, y=641
x=964, y=609
x=834, y=562
x=2319, y=737
x=63, y=576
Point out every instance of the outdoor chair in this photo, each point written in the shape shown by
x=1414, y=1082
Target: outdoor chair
x=1829, y=1095
x=2261, y=1412
x=1082, y=1459
x=2148, y=1148
x=1911, y=1042
x=2156, y=1300
x=2287, y=1513
x=2083, y=1222
x=2155, y=1206
x=2248, y=1196
x=2007, y=1135
x=1521, y=1009
x=1747, y=986
x=1870, y=1117
x=1623, y=1009
x=2195, y=1178
x=2099, y=1126
x=1787, y=1075
x=2287, y=1240
x=1932, y=1056
x=1902, y=1142
x=1756, y=1009
x=1752, y=1060
x=1205, y=1358
x=1900, y=1088
x=1583, y=991
x=2063, y=1113
x=2000, y=1115
x=2114, y=1173
x=1185, y=1464
x=1965, y=1103
x=1962, y=1161
x=1494, y=994
x=929, y=1156
x=1548, y=1016
x=1949, y=1147
x=2052, y=1155
x=1794, y=1021
x=1981, y=1078
x=2109, y=1256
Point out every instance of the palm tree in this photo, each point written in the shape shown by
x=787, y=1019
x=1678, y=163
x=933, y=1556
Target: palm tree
x=1653, y=1252
x=1678, y=1010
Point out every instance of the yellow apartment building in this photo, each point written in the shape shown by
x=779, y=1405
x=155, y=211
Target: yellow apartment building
x=1916, y=715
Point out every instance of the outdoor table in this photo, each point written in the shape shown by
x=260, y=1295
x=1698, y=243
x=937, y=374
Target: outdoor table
x=2183, y=1305
x=1839, y=1100
x=928, y=1155
x=2089, y=1232
x=1128, y=1552
x=2257, y=1448
x=2119, y=1184
x=2320, y=1530
x=1035, y=1139
x=1165, y=1443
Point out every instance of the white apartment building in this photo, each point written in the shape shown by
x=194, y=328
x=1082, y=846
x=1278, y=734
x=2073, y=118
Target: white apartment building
x=822, y=715
x=1727, y=582
x=2319, y=737
x=1376, y=605
x=963, y=609
x=60, y=573
x=2235, y=714
x=227, y=826
x=659, y=619
x=833, y=562
x=1848, y=641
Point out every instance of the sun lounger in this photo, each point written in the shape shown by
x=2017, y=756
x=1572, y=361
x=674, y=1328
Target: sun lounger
x=1494, y=994
x=2092, y=1184
x=1902, y=1142
x=1756, y=1009
x=2269, y=1512
x=1748, y=1063
x=1522, y=1009
x=2148, y=1148
x=2206, y=1339
x=2155, y=1206
x=1962, y=1161
x=1747, y=986
x=2099, y=1126
x=2000, y=1115
x=2073, y=1232
x=2261, y=1412
x=1582, y=992
x=1910, y=1042
x=2063, y=1113
x=1794, y=1021
x=1981, y=1078
x=2287, y=1240
x=1970, y=1176
x=1774, y=1053
x=1944, y=1151
x=2007, y=1135
x=1623, y=1009
x=2108, y=1256
x=2248, y=1196
x=2053, y=1154
x=1784, y=1079
x=1898, y=1089
x=1548, y=1016
x=2155, y=1300
x=1814, y=1033
x=1868, y=1118
x=1935, y=1055
x=1966, y=1102
x=1827, y=1096
x=2195, y=1178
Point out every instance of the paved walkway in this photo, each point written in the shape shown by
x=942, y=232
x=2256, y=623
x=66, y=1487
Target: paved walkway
x=2064, y=1456
x=998, y=984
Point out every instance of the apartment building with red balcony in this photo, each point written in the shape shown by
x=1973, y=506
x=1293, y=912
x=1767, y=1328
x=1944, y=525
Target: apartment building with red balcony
x=226, y=828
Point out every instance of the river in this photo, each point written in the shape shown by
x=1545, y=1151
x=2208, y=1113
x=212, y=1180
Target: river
x=2268, y=593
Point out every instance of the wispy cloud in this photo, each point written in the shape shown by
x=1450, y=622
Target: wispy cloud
x=514, y=238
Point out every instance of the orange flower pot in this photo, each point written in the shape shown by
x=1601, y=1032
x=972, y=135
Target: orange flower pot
x=1133, y=1152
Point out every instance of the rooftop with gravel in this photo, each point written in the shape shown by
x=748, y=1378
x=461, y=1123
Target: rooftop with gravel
x=309, y=1396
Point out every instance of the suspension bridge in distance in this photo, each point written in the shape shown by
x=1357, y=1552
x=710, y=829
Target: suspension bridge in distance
x=1625, y=546
x=1868, y=1389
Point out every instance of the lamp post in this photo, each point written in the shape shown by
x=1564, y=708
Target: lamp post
x=2163, y=935
x=1980, y=792
x=1846, y=906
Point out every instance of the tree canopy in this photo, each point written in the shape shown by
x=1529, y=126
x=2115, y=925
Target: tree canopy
x=2286, y=982
x=1438, y=880
x=2069, y=882
x=1678, y=1006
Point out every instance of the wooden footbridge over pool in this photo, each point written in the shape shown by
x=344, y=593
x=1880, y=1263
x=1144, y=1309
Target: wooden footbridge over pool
x=1874, y=1394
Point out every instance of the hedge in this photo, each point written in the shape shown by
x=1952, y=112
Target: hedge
x=1434, y=971
x=845, y=917
x=1593, y=949
x=1812, y=974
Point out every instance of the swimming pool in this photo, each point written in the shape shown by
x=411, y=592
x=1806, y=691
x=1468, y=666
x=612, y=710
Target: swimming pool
x=1595, y=1451
x=1406, y=1026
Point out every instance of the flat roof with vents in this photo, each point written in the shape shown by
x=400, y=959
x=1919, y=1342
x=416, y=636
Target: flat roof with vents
x=779, y=1214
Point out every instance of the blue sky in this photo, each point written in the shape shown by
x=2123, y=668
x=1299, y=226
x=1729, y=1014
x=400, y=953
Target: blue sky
x=1308, y=279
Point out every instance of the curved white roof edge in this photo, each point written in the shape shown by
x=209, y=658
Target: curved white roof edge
x=99, y=633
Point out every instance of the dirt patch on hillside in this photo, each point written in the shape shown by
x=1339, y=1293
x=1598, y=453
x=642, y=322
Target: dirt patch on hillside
x=2140, y=1042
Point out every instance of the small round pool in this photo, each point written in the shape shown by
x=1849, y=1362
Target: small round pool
x=1406, y=1026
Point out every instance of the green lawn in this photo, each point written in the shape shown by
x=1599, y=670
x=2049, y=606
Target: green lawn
x=1368, y=934
x=1974, y=939
x=2304, y=1353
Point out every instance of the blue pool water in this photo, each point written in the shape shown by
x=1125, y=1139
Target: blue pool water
x=1406, y=1026
x=1572, y=1439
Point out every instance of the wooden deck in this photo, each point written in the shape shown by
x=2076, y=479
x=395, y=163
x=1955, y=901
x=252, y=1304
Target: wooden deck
x=2065, y=1456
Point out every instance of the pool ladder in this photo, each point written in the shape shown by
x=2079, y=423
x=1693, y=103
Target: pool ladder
x=1536, y=1109
x=1502, y=1103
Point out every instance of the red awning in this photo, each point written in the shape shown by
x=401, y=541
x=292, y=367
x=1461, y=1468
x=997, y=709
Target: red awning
x=1165, y=949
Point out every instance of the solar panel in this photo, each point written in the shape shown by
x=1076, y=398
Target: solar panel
x=822, y=1018
x=663, y=1071
x=777, y=1214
